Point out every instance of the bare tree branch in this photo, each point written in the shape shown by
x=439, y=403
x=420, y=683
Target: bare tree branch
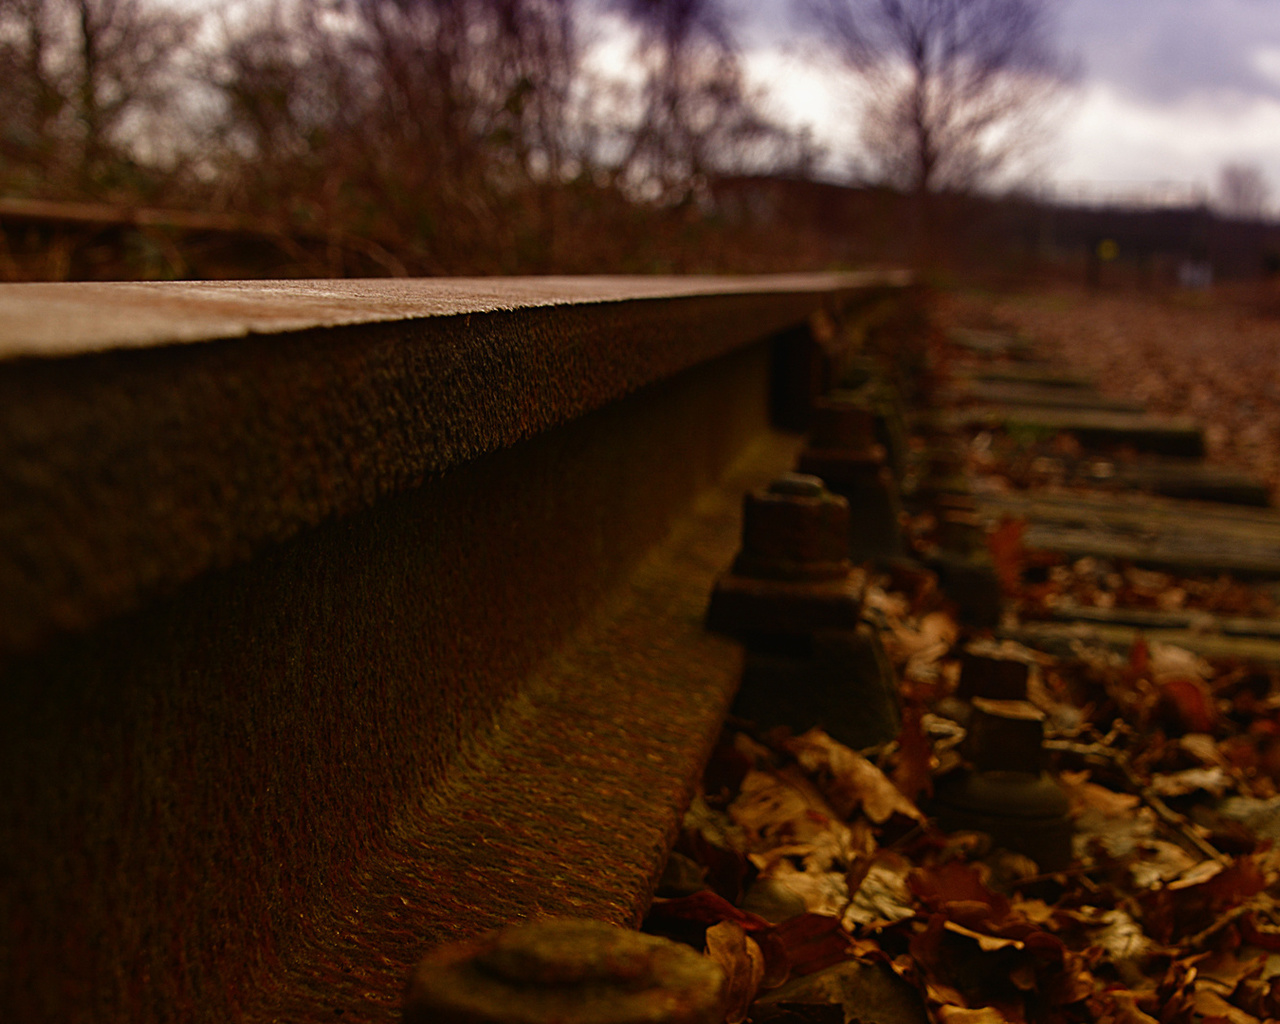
x=956, y=85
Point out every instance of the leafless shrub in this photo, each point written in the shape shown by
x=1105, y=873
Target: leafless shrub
x=84, y=84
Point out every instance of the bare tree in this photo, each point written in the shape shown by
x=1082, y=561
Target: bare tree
x=696, y=115
x=82, y=84
x=1242, y=191
x=438, y=126
x=957, y=86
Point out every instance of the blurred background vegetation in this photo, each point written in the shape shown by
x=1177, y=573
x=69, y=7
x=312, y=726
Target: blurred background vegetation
x=284, y=138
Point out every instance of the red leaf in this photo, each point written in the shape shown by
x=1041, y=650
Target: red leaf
x=1190, y=703
x=705, y=907
x=956, y=891
x=812, y=942
x=1263, y=936
x=911, y=774
x=1005, y=544
x=1139, y=658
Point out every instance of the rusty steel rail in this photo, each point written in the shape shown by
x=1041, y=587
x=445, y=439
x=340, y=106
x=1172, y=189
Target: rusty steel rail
x=340, y=618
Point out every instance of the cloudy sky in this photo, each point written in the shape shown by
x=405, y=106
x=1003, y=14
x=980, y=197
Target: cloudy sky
x=1168, y=90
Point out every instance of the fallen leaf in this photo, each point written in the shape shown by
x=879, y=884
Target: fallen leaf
x=743, y=964
x=1210, y=1005
x=784, y=808
x=1204, y=748
x=959, y=1015
x=1036, y=912
x=911, y=773
x=1161, y=862
x=1089, y=796
x=705, y=908
x=1125, y=1004
x=883, y=898
x=987, y=943
x=1005, y=545
x=1198, y=875
x=1213, y=781
x=1121, y=937
x=1168, y=661
x=815, y=941
x=957, y=891
x=1189, y=701
x=849, y=780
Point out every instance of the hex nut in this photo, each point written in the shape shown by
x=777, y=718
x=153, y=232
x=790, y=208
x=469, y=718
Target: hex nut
x=1006, y=735
x=800, y=485
x=565, y=971
x=962, y=533
x=840, y=423
x=993, y=678
x=794, y=531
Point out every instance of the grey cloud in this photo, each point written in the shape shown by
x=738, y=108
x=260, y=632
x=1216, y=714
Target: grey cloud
x=1162, y=51
x=1159, y=51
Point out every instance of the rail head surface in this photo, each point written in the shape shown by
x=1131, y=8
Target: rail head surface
x=340, y=619
x=63, y=319
x=153, y=431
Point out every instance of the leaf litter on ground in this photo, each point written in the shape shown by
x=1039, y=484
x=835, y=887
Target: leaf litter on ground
x=1170, y=909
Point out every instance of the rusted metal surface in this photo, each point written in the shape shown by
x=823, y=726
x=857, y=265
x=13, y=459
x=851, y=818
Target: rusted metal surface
x=844, y=453
x=566, y=971
x=567, y=804
x=793, y=574
x=55, y=319
x=795, y=601
x=125, y=473
x=322, y=648
x=1007, y=793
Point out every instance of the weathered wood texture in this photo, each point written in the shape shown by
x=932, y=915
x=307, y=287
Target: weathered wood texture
x=1193, y=538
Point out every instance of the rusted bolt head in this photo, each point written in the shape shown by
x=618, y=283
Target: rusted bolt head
x=961, y=532
x=841, y=423
x=565, y=971
x=1006, y=736
x=946, y=458
x=956, y=501
x=794, y=530
x=992, y=678
x=798, y=485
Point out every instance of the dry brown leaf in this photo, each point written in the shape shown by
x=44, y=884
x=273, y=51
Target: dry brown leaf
x=884, y=897
x=1121, y=937
x=849, y=780
x=911, y=773
x=959, y=1015
x=1213, y=781
x=1126, y=1006
x=1197, y=875
x=1210, y=1004
x=786, y=809
x=1089, y=796
x=1203, y=747
x=1168, y=661
x=1007, y=553
x=1161, y=862
x=1036, y=912
x=823, y=892
x=987, y=943
x=743, y=963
